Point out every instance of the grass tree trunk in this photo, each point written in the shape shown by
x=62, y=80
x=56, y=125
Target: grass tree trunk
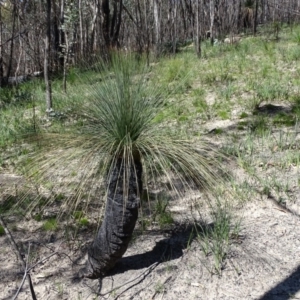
x=121, y=213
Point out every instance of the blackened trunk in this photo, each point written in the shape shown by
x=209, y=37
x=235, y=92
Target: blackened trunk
x=106, y=22
x=116, y=32
x=121, y=214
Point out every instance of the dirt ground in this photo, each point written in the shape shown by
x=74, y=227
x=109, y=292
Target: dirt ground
x=263, y=262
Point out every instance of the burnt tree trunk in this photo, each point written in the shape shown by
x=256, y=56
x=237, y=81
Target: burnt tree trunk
x=115, y=29
x=121, y=213
x=106, y=22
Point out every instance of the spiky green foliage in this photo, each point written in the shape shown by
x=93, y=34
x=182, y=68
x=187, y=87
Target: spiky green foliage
x=116, y=117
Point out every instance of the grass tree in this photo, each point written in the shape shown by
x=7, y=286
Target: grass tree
x=123, y=143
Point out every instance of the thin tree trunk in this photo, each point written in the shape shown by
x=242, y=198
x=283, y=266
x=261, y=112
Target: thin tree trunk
x=140, y=32
x=80, y=28
x=117, y=26
x=212, y=20
x=62, y=34
x=64, y=44
x=121, y=214
x=9, y=68
x=106, y=22
x=47, y=59
x=66, y=57
x=255, y=18
x=147, y=33
x=19, y=60
x=157, y=26
x=174, y=10
x=56, y=38
x=198, y=46
x=183, y=18
x=1, y=51
x=93, y=27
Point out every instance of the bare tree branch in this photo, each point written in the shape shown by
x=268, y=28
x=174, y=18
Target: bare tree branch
x=23, y=262
x=14, y=37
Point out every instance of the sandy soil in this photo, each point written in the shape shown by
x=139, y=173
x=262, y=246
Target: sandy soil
x=263, y=262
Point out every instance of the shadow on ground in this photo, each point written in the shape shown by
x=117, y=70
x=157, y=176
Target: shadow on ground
x=167, y=249
x=285, y=289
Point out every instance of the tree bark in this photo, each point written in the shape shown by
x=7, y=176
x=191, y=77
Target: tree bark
x=156, y=9
x=198, y=42
x=121, y=213
x=9, y=68
x=174, y=10
x=57, y=29
x=47, y=59
x=212, y=20
x=95, y=8
x=117, y=24
x=106, y=22
x=21, y=48
x=62, y=34
x=80, y=28
x=1, y=47
x=65, y=58
x=255, y=18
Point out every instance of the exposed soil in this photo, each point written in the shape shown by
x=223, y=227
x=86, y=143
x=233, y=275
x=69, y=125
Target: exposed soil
x=263, y=261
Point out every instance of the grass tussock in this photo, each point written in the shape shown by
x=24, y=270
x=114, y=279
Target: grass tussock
x=119, y=116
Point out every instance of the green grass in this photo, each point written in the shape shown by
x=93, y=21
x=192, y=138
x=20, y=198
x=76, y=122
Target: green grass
x=83, y=222
x=2, y=231
x=161, y=213
x=78, y=215
x=216, y=238
x=50, y=225
x=7, y=204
